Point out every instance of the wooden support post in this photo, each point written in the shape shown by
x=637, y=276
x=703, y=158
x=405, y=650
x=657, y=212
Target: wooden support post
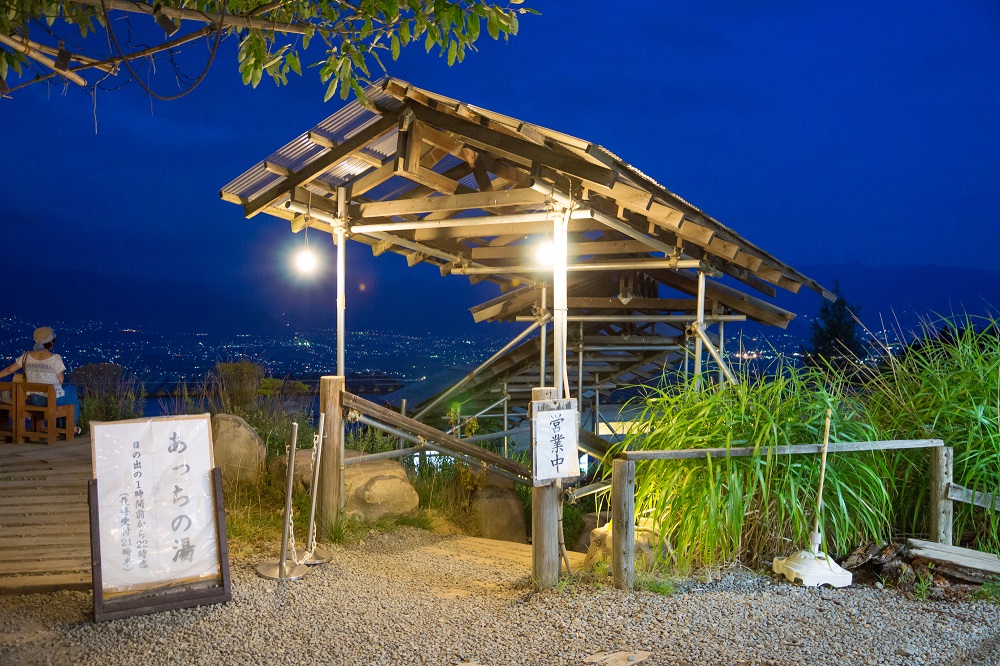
x=623, y=524
x=330, y=488
x=941, y=509
x=544, y=520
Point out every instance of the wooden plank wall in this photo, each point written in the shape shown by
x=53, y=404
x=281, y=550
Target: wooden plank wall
x=44, y=524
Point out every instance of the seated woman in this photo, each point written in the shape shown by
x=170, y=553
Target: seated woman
x=43, y=367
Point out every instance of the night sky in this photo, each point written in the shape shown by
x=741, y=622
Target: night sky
x=829, y=134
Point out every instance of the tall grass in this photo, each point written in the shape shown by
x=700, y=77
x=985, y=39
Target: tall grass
x=946, y=386
x=107, y=392
x=725, y=509
x=267, y=404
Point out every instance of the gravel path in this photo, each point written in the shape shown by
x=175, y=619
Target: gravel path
x=386, y=601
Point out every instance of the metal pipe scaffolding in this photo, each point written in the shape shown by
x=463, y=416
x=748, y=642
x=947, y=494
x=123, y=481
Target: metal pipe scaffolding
x=482, y=366
x=560, y=307
x=341, y=277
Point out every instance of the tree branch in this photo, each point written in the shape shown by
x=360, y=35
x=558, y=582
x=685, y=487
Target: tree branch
x=226, y=20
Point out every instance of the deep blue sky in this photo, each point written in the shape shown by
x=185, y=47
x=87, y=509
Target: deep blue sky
x=825, y=132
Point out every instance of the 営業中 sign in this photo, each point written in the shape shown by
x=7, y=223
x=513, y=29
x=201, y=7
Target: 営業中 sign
x=157, y=517
x=555, y=431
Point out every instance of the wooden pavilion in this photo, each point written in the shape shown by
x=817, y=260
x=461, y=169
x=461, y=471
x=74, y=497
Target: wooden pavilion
x=634, y=286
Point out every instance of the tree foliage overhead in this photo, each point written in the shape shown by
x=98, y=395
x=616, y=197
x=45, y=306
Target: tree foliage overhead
x=357, y=36
x=834, y=333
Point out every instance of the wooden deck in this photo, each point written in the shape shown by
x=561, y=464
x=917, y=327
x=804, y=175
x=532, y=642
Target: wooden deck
x=44, y=521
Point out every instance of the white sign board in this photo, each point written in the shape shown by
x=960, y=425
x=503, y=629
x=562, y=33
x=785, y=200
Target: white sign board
x=554, y=443
x=156, y=505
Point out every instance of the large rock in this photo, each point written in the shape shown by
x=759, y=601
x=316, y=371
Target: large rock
x=647, y=540
x=591, y=521
x=498, y=510
x=277, y=471
x=239, y=450
x=377, y=489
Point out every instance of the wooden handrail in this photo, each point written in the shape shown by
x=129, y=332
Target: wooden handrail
x=789, y=449
x=432, y=435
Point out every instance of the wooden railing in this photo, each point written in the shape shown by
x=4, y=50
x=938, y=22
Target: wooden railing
x=341, y=407
x=942, y=490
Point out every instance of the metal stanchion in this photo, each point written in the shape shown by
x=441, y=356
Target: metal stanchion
x=315, y=555
x=279, y=569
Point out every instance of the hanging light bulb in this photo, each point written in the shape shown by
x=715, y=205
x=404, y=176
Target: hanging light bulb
x=306, y=261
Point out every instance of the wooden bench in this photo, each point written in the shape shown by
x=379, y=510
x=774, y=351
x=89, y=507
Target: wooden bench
x=7, y=410
x=35, y=423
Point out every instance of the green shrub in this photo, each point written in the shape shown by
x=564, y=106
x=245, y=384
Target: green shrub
x=945, y=386
x=723, y=509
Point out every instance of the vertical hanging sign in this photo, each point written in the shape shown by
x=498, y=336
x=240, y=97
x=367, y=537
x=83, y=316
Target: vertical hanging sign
x=156, y=527
x=555, y=432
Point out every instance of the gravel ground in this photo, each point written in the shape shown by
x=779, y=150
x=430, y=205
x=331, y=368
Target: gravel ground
x=385, y=601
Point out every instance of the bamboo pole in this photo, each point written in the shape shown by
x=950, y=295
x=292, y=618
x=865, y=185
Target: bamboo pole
x=722, y=350
x=331, y=477
x=48, y=62
x=623, y=524
x=699, y=326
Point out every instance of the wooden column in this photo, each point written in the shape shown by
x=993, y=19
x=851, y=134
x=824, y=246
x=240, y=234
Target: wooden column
x=544, y=519
x=941, y=509
x=330, y=489
x=623, y=524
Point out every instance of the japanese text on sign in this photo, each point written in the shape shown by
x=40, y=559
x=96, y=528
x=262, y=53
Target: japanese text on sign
x=554, y=440
x=156, y=504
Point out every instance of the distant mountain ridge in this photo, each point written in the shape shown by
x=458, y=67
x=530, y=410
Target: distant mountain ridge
x=428, y=303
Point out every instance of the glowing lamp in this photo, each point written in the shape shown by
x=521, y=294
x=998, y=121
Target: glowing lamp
x=306, y=261
x=545, y=254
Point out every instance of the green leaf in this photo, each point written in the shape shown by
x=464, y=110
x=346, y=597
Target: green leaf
x=473, y=29
x=513, y=23
x=3, y=65
x=452, y=52
x=255, y=76
x=404, y=32
x=246, y=76
x=293, y=62
x=394, y=45
x=428, y=42
x=331, y=89
x=493, y=26
x=310, y=31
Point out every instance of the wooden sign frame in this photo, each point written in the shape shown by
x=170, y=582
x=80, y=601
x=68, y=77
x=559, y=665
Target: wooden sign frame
x=169, y=596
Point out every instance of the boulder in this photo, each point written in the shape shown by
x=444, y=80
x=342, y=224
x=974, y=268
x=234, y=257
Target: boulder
x=498, y=510
x=647, y=539
x=277, y=471
x=239, y=450
x=591, y=521
x=376, y=489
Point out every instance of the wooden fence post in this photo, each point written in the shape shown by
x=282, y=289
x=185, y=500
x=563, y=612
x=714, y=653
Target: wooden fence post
x=330, y=490
x=544, y=519
x=942, y=511
x=623, y=524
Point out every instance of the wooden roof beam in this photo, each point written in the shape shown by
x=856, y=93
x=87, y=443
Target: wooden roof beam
x=454, y=202
x=518, y=149
x=321, y=164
